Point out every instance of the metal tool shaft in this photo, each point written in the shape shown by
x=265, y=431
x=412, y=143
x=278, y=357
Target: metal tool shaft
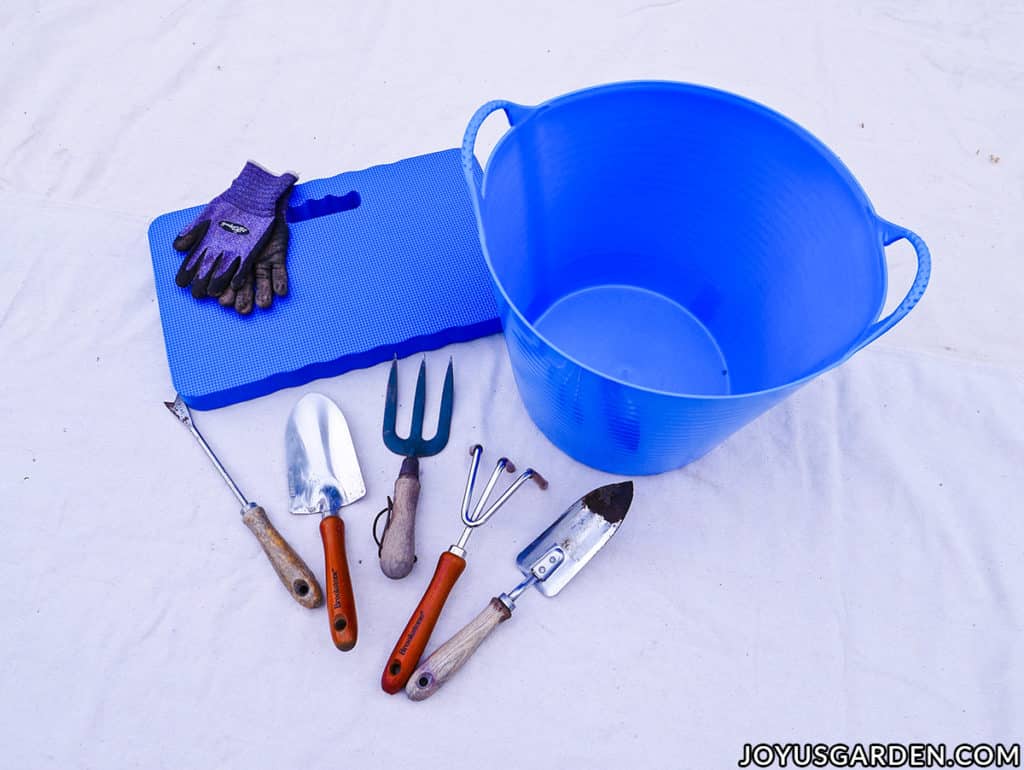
x=220, y=467
x=181, y=411
x=516, y=592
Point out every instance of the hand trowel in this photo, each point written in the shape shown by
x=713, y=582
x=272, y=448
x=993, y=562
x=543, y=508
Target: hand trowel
x=548, y=564
x=323, y=476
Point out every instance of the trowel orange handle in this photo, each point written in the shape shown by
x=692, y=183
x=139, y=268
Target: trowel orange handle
x=341, y=604
x=414, y=638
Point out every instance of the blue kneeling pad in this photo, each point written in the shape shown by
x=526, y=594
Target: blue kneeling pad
x=381, y=262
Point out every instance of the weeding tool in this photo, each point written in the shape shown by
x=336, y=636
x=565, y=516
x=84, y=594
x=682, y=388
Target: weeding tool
x=417, y=631
x=398, y=543
x=296, y=576
x=323, y=476
x=548, y=564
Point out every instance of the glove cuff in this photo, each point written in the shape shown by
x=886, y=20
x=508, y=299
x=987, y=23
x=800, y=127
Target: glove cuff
x=256, y=190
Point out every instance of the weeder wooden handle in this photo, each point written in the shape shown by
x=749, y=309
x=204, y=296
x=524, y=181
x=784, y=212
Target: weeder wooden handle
x=417, y=631
x=398, y=546
x=341, y=604
x=450, y=656
x=296, y=576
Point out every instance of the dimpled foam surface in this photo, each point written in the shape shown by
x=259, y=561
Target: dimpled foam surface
x=399, y=273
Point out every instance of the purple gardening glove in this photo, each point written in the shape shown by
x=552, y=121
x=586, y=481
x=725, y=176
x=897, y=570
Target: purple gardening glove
x=231, y=231
x=269, y=275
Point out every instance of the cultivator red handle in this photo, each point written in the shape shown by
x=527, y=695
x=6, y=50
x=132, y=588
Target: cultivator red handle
x=413, y=641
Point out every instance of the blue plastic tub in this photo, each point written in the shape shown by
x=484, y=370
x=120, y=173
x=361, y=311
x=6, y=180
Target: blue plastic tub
x=669, y=261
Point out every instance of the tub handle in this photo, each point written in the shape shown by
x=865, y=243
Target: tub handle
x=515, y=113
x=890, y=234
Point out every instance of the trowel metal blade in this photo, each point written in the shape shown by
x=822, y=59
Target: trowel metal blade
x=323, y=470
x=579, y=533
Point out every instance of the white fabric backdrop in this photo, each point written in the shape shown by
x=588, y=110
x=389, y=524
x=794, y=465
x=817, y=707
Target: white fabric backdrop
x=849, y=567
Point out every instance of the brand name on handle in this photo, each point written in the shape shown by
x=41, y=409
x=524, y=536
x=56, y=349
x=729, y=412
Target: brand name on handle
x=412, y=632
x=336, y=585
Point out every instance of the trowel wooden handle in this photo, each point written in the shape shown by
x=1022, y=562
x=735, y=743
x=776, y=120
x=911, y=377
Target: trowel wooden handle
x=450, y=656
x=398, y=546
x=341, y=604
x=417, y=631
x=296, y=576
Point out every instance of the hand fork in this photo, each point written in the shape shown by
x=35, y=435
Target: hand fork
x=398, y=543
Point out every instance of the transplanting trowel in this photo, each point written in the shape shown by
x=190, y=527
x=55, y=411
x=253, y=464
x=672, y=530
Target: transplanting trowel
x=324, y=475
x=548, y=563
